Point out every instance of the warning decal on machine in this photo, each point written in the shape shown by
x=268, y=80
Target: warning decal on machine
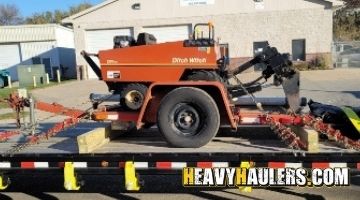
x=113, y=74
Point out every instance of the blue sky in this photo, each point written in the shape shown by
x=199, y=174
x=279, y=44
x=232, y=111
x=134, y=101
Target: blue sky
x=28, y=7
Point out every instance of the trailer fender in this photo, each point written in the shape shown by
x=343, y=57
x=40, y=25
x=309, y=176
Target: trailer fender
x=157, y=91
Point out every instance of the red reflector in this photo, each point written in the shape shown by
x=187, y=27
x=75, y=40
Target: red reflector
x=276, y=165
x=204, y=164
x=163, y=165
x=27, y=165
x=320, y=165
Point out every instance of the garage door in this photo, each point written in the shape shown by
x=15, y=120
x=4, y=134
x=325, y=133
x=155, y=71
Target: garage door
x=100, y=40
x=169, y=33
x=9, y=58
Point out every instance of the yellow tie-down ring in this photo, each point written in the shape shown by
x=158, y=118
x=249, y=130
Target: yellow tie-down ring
x=4, y=182
x=71, y=180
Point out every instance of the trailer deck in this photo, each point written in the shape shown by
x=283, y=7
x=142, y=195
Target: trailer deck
x=147, y=148
x=245, y=140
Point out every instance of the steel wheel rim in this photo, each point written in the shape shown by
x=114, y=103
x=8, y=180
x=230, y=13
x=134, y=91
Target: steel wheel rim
x=185, y=119
x=134, y=99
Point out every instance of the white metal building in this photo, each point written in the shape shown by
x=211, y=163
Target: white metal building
x=302, y=28
x=50, y=44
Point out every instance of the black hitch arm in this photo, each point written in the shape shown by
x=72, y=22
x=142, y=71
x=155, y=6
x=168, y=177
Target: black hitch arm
x=92, y=64
x=275, y=62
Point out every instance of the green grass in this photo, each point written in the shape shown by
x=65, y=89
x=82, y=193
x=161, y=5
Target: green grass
x=12, y=115
x=5, y=92
x=51, y=84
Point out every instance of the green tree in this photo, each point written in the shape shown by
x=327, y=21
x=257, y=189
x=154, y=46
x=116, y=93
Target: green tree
x=9, y=14
x=350, y=4
x=78, y=8
x=57, y=15
x=347, y=21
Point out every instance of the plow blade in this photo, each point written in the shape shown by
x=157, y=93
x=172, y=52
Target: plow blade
x=291, y=88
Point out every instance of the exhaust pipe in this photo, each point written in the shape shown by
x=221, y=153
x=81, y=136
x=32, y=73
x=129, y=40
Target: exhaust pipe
x=91, y=63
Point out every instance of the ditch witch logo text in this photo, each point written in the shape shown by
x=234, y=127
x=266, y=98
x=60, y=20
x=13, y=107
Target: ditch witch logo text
x=237, y=177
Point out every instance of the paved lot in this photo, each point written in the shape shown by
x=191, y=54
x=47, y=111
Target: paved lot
x=72, y=94
x=339, y=87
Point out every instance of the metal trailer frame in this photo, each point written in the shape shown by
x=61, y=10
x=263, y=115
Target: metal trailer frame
x=71, y=164
x=166, y=162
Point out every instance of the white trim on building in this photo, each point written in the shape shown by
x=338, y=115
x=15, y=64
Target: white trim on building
x=169, y=33
x=70, y=19
x=21, y=45
x=241, y=24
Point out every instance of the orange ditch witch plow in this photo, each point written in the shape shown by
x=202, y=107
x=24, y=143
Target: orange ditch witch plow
x=187, y=89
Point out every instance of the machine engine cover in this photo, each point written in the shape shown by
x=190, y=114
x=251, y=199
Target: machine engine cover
x=122, y=41
x=146, y=39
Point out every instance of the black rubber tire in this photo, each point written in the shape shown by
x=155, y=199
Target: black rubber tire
x=203, y=75
x=132, y=86
x=208, y=117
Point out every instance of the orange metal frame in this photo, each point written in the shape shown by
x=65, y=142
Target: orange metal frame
x=230, y=114
x=165, y=62
x=156, y=91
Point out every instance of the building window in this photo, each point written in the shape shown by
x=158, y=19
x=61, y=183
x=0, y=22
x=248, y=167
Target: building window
x=258, y=48
x=299, y=50
x=36, y=60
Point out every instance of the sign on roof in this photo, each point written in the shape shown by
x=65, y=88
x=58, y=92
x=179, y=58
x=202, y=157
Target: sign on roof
x=196, y=2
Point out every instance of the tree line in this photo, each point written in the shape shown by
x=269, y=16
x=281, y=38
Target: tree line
x=347, y=21
x=351, y=4
x=10, y=15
